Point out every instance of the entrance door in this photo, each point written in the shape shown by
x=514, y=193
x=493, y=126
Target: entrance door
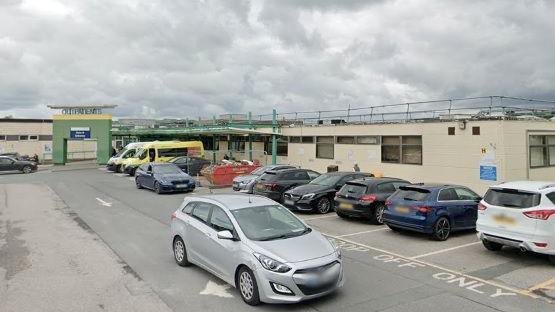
x=81, y=150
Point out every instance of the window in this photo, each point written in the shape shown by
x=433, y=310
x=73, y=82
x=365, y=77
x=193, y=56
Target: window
x=551, y=197
x=345, y=140
x=365, y=139
x=475, y=130
x=172, y=152
x=2, y=138
x=542, y=150
x=296, y=176
x=189, y=207
x=44, y=137
x=402, y=149
x=386, y=188
x=447, y=195
x=511, y=198
x=5, y=161
x=295, y=139
x=238, y=146
x=33, y=138
x=451, y=131
x=466, y=194
x=23, y=137
x=307, y=139
x=220, y=221
x=282, y=146
x=312, y=174
x=324, y=147
x=201, y=211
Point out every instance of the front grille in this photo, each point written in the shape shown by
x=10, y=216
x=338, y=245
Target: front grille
x=180, y=182
x=292, y=196
x=308, y=290
x=317, y=269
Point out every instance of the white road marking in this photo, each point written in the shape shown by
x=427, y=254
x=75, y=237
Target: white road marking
x=104, y=203
x=363, y=232
x=320, y=217
x=215, y=289
x=444, y=250
x=491, y=283
x=121, y=174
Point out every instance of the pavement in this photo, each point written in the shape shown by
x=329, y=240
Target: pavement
x=385, y=270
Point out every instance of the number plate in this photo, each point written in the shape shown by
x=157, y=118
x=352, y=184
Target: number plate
x=503, y=219
x=289, y=202
x=345, y=206
x=259, y=186
x=402, y=209
x=181, y=185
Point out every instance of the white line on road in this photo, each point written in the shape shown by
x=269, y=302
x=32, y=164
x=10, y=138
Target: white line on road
x=321, y=217
x=104, y=203
x=444, y=250
x=363, y=232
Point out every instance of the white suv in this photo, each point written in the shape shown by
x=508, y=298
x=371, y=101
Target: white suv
x=519, y=214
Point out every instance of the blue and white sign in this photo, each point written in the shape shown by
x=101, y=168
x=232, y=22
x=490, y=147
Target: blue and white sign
x=488, y=172
x=80, y=133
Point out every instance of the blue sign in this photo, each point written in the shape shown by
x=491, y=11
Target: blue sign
x=488, y=172
x=80, y=133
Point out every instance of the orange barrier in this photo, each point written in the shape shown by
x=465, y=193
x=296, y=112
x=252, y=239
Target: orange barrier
x=224, y=174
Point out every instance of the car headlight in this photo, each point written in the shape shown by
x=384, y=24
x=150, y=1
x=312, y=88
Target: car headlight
x=271, y=264
x=308, y=196
x=336, y=248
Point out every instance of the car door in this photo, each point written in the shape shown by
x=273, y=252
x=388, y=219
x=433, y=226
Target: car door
x=6, y=164
x=469, y=200
x=449, y=201
x=148, y=177
x=140, y=174
x=221, y=253
x=198, y=232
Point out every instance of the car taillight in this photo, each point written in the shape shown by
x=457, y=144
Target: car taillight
x=388, y=203
x=271, y=186
x=424, y=209
x=482, y=207
x=174, y=216
x=368, y=198
x=539, y=214
x=541, y=245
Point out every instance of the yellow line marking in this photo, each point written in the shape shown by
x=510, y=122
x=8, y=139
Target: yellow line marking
x=515, y=290
x=444, y=250
x=544, y=285
x=363, y=232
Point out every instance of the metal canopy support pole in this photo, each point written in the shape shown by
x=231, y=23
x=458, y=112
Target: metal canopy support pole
x=274, y=137
x=214, y=142
x=250, y=136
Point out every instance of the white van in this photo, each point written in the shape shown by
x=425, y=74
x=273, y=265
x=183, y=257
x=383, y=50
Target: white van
x=114, y=163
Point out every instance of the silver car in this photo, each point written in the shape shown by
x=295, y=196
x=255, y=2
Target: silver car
x=257, y=246
x=245, y=183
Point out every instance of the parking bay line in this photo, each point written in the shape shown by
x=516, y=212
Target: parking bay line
x=320, y=217
x=549, y=284
x=443, y=250
x=494, y=284
x=363, y=232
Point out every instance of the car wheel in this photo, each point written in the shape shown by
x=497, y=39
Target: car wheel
x=27, y=169
x=323, y=205
x=138, y=184
x=179, y=252
x=247, y=286
x=118, y=169
x=442, y=229
x=492, y=246
x=377, y=216
x=157, y=188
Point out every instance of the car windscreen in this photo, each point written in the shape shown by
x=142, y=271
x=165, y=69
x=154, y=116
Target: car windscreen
x=263, y=223
x=326, y=179
x=167, y=169
x=512, y=198
x=411, y=193
x=353, y=190
x=120, y=153
x=259, y=171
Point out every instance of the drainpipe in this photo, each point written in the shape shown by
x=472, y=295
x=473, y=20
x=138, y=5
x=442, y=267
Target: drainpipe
x=214, y=142
x=274, y=137
x=250, y=136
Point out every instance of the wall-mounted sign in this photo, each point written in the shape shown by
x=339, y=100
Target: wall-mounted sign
x=81, y=111
x=488, y=172
x=80, y=133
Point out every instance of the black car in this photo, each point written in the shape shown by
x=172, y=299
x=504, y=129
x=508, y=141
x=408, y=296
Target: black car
x=163, y=178
x=319, y=193
x=365, y=198
x=12, y=164
x=190, y=165
x=273, y=184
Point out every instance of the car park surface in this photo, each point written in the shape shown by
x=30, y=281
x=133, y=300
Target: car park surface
x=385, y=270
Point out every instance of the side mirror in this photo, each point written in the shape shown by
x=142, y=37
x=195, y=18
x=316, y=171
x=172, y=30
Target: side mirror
x=225, y=235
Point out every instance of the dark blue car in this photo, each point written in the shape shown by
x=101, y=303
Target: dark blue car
x=433, y=209
x=163, y=177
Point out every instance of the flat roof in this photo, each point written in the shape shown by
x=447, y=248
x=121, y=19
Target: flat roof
x=26, y=120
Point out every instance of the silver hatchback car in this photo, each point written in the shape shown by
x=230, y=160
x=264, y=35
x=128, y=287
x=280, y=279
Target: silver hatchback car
x=257, y=246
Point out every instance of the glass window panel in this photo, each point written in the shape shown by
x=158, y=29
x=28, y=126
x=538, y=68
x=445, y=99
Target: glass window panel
x=537, y=139
x=391, y=154
x=413, y=140
x=551, y=140
x=346, y=139
x=324, y=151
x=538, y=156
x=324, y=139
x=367, y=140
x=552, y=155
x=307, y=139
x=391, y=140
x=412, y=154
x=295, y=139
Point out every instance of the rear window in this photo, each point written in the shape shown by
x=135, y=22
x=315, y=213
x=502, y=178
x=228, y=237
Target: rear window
x=353, y=190
x=413, y=194
x=511, y=198
x=268, y=176
x=551, y=197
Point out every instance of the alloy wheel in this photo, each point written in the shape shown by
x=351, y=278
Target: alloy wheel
x=323, y=205
x=246, y=285
x=379, y=214
x=179, y=250
x=442, y=229
x=27, y=169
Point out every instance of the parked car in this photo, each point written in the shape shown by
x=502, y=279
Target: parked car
x=190, y=165
x=163, y=178
x=245, y=183
x=434, y=209
x=519, y=214
x=273, y=184
x=12, y=164
x=365, y=198
x=256, y=245
x=318, y=194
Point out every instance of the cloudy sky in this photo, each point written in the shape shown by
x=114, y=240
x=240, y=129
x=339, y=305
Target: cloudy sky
x=175, y=58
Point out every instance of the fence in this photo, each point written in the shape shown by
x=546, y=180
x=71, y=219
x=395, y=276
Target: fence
x=476, y=107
